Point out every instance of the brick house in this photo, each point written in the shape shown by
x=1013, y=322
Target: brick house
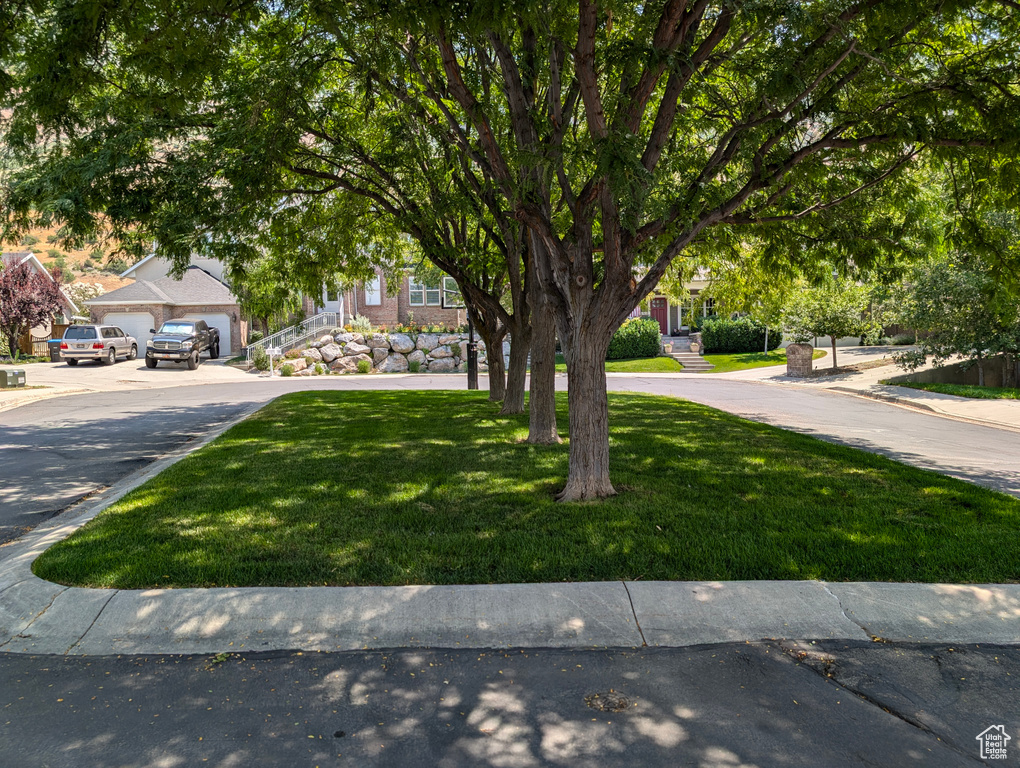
x=438, y=304
x=152, y=300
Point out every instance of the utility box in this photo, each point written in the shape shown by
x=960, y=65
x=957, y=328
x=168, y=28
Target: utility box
x=9, y=379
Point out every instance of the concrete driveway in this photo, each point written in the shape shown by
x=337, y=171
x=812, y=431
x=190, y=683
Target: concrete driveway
x=129, y=374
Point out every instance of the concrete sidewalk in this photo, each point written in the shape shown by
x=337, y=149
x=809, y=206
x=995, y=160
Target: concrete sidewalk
x=39, y=617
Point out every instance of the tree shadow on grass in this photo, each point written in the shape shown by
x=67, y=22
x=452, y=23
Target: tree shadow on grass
x=435, y=488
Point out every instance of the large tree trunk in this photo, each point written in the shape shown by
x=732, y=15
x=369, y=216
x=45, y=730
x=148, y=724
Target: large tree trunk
x=833, y=338
x=542, y=400
x=588, y=474
x=517, y=370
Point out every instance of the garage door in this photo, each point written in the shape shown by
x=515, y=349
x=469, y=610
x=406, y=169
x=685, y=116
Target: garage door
x=219, y=321
x=135, y=324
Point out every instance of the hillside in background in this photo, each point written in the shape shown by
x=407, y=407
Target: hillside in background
x=96, y=263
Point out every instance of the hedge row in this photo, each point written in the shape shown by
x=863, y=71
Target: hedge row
x=740, y=335
x=635, y=338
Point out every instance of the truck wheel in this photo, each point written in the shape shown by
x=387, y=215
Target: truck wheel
x=111, y=357
x=133, y=353
x=150, y=362
x=214, y=351
x=71, y=362
x=193, y=361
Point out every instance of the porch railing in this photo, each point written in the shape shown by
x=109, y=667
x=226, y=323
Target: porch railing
x=290, y=337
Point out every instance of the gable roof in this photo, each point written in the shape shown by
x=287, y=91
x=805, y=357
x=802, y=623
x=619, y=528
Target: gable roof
x=196, y=286
x=22, y=257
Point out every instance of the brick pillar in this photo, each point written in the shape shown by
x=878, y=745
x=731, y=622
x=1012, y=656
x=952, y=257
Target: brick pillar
x=798, y=360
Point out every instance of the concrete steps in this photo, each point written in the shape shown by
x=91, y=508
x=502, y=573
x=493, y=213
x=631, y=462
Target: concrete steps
x=692, y=361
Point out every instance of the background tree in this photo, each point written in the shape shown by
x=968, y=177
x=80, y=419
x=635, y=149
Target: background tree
x=960, y=309
x=27, y=299
x=835, y=309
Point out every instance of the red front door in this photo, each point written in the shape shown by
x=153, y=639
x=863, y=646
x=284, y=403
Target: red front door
x=660, y=307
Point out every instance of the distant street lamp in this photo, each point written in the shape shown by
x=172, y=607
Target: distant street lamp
x=472, y=356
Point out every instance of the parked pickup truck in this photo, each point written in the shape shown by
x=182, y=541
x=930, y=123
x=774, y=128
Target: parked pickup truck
x=182, y=341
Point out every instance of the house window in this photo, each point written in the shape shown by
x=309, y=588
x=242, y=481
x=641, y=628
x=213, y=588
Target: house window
x=416, y=295
x=709, y=307
x=451, y=294
x=332, y=296
x=373, y=291
x=421, y=295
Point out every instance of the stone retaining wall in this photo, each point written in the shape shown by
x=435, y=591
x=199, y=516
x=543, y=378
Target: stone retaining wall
x=341, y=352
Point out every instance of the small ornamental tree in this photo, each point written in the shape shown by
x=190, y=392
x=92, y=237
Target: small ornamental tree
x=27, y=299
x=834, y=309
x=960, y=309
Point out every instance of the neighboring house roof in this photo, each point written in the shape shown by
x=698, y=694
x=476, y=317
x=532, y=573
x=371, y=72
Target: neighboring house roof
x=129, y=272
x=22, y=257
x=195, y=287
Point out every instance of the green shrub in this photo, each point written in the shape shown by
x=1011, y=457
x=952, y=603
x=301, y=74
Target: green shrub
x=635, y=338
x=254, y=336
x=28, y=240
x=309, y=361
x=319, y=369
x=361, y=324
x=414, y=366
x=287, y=370
x=52, y=238
x=292, y=354
x=904, y=339
x=364, y=366
x=260, y=359
x=53, y=253
x=740, y=335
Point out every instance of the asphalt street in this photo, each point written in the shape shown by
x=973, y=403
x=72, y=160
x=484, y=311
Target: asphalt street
x=762, y=704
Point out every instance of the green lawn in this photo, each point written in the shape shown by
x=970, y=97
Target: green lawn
x=963, y=390
x=743, y=360
x=638, y=365
x=435, y=488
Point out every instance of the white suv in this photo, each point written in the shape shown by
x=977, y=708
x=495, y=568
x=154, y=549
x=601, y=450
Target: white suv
x=104, y=343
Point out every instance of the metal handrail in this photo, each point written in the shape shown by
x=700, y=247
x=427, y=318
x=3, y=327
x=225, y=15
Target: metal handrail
x=290, y=337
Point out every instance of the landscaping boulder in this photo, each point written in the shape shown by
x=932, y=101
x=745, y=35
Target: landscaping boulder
x=354, y=348
x=344, y=338
x=379, y=354
x=297, y=363
x=427, y=341
x=330, y=352
x=315, y=354
x=358, y=338
x=449, y=338
x=416, y=357
x=395, y=363
x=377, y=341
x=325, y=339
x=441, y=352
x=443, y=365
x=344, y=365
x=401, y=342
